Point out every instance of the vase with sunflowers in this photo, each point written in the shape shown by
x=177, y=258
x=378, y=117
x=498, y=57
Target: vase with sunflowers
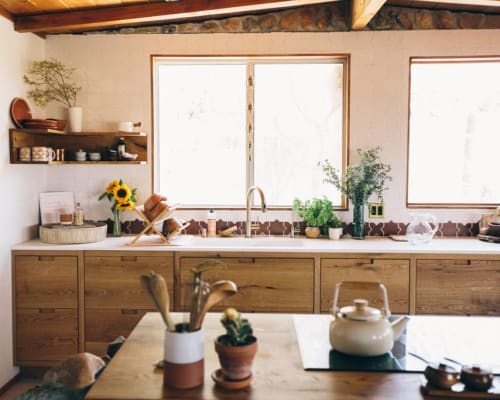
x=123, y=199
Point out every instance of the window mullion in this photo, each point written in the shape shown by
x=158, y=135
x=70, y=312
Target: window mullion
x=250, y=125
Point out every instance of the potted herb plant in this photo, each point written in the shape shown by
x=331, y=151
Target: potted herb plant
x=237, y=348
x=335, y=228
x=316, y=213
x=50, y=81
x=369, y=176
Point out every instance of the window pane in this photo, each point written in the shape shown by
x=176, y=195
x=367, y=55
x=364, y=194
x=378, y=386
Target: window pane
x=201, y=123
x=454, y=137
x=298, y=122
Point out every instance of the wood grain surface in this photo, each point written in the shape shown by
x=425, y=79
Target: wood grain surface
x=277, y=370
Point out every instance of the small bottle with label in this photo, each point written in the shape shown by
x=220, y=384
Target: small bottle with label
x=120, y=148
x=211, y=223
x=78, y=215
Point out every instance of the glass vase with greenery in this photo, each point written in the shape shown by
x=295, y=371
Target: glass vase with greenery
x=369, y=176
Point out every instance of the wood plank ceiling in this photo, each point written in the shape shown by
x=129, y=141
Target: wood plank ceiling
x=59, y=16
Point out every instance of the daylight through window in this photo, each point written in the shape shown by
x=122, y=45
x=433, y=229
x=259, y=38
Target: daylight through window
x=454, y=132
x=224, y=124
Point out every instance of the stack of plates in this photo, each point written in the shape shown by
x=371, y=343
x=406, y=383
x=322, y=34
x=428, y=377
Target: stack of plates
x=21, y=116
x=43, y=124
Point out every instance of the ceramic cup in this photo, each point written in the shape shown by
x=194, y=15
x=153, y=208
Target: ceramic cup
x=25, y=153
x=94, y=156
x=80, y=155
x=40, y=153
x=183, y=359
x=126, y=126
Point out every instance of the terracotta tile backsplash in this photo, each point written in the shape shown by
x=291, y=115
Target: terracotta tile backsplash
x=284, y=228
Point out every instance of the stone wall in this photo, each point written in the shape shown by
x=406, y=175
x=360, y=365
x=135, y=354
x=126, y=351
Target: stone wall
x=332, y=17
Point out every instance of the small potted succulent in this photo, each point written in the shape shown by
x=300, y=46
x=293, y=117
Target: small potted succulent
x=316, y=213
x=237, y=348
x=335, y=229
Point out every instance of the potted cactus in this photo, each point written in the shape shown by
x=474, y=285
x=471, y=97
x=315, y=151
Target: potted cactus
x=237, y=348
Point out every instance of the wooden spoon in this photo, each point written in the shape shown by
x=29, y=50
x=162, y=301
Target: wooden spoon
x=156, y=286
x=219, y=291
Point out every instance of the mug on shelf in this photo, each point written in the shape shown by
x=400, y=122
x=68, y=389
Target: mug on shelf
x=42, y=153
x=25, y=153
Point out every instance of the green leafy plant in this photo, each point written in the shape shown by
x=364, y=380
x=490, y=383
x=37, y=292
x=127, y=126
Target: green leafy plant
x=238, y=330
x=315, y=212
x=51, y=80
x=361, y=180
x=335, y=222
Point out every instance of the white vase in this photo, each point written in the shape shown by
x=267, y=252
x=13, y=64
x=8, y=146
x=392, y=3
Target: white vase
x=335, y=233
x=75, y=119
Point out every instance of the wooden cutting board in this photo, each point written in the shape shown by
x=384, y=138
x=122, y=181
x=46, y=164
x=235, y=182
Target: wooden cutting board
x=489, y=238
x=458, y=391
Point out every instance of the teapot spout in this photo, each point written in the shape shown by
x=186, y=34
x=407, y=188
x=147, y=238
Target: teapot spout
x=398, y=326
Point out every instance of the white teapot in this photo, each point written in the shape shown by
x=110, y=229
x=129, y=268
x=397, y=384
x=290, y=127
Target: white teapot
x=361, y=330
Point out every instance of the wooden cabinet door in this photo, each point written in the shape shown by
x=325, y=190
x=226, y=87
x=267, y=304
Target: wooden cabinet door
x=264, y=284
x=46, y=281
x=104, y=326
x=394, y=274
x=459, y=287
x=113, y=282
x=45, y=335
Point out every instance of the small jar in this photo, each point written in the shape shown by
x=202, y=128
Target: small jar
x=66, y=216
x=78, y=214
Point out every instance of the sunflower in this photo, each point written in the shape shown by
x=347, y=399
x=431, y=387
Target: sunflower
x=122, y=193
x=111, y=186
x=129, y=205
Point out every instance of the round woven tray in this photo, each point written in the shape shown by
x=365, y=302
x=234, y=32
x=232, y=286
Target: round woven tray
x=60, y=234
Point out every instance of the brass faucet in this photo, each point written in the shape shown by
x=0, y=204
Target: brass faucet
x=263, y=205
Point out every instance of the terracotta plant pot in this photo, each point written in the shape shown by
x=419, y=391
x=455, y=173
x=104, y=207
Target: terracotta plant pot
x=312, y=232
x=236, y=361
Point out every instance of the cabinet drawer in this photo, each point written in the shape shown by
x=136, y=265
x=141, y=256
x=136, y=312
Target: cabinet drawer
x=114, y=281
x=46, y=281
x=45, y=334
x=104, y=326
x=264, y=284
x=460, y=287
x=394, y=274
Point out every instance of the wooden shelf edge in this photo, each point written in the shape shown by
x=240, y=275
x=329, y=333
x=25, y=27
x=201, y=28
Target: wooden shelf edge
x=56, y=132
x=81, y=162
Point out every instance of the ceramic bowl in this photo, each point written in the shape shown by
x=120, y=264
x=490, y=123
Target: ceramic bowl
x=94, y=156
x=441, y=376
x=476, y=378
x=493, y=229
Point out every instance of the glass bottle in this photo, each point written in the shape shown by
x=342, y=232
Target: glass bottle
x=78, y=215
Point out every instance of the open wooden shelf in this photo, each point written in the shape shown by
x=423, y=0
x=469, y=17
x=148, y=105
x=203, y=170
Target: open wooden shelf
x=71, y=142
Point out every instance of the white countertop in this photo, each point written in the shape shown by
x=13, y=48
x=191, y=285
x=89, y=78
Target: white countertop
x=276, y=244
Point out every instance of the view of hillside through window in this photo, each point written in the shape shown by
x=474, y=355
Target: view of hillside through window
x=226, y=124
x=454, y=132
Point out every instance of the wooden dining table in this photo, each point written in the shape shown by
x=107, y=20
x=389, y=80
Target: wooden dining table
x=278, y=371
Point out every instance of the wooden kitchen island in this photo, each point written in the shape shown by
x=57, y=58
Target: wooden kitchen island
x=278, y=371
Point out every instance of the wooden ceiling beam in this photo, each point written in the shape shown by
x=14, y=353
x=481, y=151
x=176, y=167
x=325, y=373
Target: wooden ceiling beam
x=149, y=13
x=363, y=11
x=5, y=13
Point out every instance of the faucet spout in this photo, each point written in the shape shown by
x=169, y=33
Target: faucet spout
x=250, y=191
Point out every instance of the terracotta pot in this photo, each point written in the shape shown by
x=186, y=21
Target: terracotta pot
x=312, y=232
x=236, y=361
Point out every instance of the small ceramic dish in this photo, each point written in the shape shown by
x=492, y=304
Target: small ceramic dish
x=221, y=381
x=476, y=378
x=493, y=229
x=95, y=156
x=441, y=376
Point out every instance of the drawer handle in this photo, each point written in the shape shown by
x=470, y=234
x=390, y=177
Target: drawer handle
x=45, y=258
x=46, y=310
x=246, y=260
x=129, y=311
x=129, y=258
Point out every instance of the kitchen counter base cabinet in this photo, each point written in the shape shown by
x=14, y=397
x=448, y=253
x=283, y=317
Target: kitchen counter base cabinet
x=458, y=286
x=264, y=284
x=393, y=273
x=114, y=297
x=46, y=319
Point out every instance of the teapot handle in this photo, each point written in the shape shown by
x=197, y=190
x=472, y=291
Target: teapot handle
x=361, y=286
x=433, y=220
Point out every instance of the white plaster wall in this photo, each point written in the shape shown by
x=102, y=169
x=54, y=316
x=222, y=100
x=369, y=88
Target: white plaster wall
x=19, y=184
x=116, y=76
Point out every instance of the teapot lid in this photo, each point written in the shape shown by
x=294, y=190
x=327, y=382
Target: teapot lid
x=360, y=311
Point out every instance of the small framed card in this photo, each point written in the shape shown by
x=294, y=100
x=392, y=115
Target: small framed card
x=51, y=204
